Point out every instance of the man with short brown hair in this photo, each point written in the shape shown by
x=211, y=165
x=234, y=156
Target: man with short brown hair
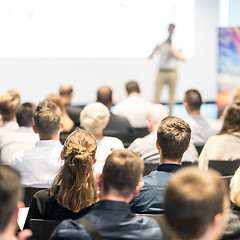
x=39, y=165
x=8, y=106
x=111, y=217
x=173, y=137
x=195, y=204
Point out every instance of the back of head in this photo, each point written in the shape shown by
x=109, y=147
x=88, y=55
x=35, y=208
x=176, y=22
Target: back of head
x=94, y=117
x=65, y=89
x=121, y=172
x=25, y=114
x=47, y=117
x=231, y=122
x=9, y=103
x=193, y=99
x=104, y=95
x=192, y=200
x=156, y=113
x=173, y=137
x=10, y=194
x=76, y=182
x=132, y=87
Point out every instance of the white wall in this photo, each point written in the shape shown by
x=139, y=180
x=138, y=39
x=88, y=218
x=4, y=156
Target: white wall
x=36, y=78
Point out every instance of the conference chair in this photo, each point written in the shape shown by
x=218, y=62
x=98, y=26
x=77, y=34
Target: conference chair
x=226, y=168
x=28, y=194
x=148, y=167
x=42, y=229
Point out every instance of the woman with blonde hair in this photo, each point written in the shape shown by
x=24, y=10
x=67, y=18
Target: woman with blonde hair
x=94, y=118
x=74, y=189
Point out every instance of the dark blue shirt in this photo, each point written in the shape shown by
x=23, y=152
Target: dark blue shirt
x=150, y=199
x=112, y=220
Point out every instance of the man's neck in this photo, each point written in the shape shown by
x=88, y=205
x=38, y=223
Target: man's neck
x=115, y=197
x=169, y=161
x=9, y=233
x=194, y=113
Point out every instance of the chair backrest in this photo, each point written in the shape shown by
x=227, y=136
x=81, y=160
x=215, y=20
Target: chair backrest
x=188, y=163
x=226, y=168
x=148, y=167
x=28, y=194
x=161, y=220
x=42, y=229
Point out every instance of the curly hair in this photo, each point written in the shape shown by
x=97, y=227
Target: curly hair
x=74, y=187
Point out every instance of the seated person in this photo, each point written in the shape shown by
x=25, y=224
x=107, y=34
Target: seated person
x=196, y=205
x=117, y=125
x=225, y=145
x=146, y=146
x=39, y=165
x=232, y=230
x=173, y=137
x=94, y=118
x=74, y=188
x=9, y=103
x=10, y=202
x=111, y=217
x=134, y=107
x=201, y=128
x=21, y=138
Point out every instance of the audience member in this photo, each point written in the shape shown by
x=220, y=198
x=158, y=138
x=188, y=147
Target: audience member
x=21, y=138
x=195, y=205
x=11, y=195
x=173, y=137
x=146, y=146
x=68, y=124
x=232, y=230
x=39, y=165
x=74, y=189
x=225, y=145
x=134, y=107
x=66, y=93
x=111, y=217
x=201, y=128
x=8, y=105
x=117, y=125
x=94, y=118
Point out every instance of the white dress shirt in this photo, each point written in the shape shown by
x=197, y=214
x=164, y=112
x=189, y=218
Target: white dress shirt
x=135, y=109
x=15, y=141
x=39, y=165
x=7, y=127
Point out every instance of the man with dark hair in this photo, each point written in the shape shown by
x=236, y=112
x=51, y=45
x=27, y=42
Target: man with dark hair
x=39, y=164
x=196, y=204
x=9, y=103
x=173, y=137
x=111, y=216
x=117, y=125
x=134, y=107
x=21, y=138
x=11, y=195
x=66, y=93
x=201, y=128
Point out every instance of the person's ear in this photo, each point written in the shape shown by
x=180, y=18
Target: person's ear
x=34, y=128
x=157, y=145
x=61, y=155
x=94, y=160
x=138, y=188
x=99, y=180
x=61, y=126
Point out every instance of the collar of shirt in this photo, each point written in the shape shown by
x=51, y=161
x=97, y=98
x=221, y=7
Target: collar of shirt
x=168, y=167
x=48, y=143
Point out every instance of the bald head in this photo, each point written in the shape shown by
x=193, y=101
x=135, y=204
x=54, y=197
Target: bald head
x=156, y=114
x=104, y=96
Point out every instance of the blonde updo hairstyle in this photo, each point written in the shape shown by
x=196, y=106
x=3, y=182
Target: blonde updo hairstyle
x=74, y=187
x=94, y=117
